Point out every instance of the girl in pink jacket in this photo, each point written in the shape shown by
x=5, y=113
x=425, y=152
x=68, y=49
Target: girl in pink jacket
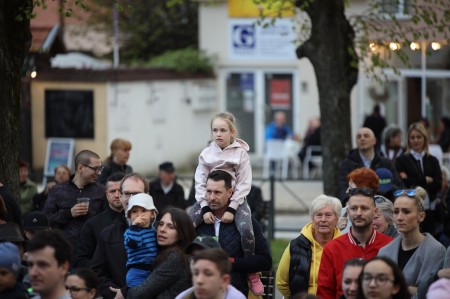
x=228, y=153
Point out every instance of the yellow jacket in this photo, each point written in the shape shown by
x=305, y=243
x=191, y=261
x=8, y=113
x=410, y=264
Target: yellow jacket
x=282, y=279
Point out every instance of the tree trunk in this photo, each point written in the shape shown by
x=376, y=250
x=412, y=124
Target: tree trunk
x=336, y=72
x=15, y=39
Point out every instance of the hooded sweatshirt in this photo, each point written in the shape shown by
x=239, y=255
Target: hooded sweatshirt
x=282, y=279
x=233, y=159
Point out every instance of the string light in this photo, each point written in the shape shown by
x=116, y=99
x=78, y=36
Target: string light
x=373, y=46
x=435, y=46
x=394, y=46
x=414, y=46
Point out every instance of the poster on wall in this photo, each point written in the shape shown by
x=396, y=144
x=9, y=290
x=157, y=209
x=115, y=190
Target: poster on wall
x=251, y=42
x=59, y=152
x=280, y=94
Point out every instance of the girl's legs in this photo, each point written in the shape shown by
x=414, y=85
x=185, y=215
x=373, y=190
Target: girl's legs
x=196, y=214
x=243, y=220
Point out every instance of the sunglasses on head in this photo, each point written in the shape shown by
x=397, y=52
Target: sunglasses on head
x=361, y=191
x=380, y=199
x=407, y=192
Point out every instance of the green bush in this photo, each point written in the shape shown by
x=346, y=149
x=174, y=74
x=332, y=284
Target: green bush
x=184, y=61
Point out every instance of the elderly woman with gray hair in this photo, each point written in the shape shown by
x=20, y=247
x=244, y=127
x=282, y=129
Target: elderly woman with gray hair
x=384, y=218
x=299, y=266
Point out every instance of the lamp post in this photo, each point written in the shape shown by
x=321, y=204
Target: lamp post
x=423, y=64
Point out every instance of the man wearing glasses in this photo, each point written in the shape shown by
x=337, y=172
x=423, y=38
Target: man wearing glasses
x=362, y=241
x=110, y=258
x=62, y=207
x=94, y=226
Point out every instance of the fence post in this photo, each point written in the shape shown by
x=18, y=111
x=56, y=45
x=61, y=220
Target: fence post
x=272, y=208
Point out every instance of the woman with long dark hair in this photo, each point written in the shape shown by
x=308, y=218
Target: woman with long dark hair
x=170, y=275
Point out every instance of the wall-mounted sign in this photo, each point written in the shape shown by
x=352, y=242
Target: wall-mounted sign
x=251, y=42
x=59, y=151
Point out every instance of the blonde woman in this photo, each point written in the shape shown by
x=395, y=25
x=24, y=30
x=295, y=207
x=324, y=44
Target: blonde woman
x=414, y=252
x=418, y=168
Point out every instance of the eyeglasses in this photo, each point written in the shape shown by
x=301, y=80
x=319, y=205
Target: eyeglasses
x=364, y=191
x=126, y=194
x=74, y=289
x=96, y=169
x=380, y=280
x=407, y=192
x=380, y=199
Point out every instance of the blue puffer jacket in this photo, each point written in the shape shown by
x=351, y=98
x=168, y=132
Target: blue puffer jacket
x=230, y=240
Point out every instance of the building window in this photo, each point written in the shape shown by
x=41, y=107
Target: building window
x=69, y=113
x=396, y=7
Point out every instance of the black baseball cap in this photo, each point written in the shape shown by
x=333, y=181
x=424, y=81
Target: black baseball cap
x=204, y=242
x=36, y=220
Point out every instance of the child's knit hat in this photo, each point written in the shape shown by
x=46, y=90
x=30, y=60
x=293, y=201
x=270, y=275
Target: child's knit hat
x=10, y=257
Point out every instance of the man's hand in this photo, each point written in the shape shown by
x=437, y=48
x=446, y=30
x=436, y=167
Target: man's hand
x=208, y=217
x=429, y=179
x=227, y=217
x=403, y=175
x=78, y=210
x=118, y=293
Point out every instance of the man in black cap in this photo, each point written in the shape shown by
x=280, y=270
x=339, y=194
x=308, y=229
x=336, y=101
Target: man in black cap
x=165, y=190
x=200, y=243
x=35, y=222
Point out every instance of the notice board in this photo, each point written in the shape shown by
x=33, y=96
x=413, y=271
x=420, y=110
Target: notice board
x=59, y=151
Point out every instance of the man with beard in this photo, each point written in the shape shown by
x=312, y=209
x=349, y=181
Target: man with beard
x=92, y=228
x=62, y=207
x=362, y=241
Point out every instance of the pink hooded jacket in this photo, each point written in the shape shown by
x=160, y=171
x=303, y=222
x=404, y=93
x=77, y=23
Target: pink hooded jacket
x=233, y=159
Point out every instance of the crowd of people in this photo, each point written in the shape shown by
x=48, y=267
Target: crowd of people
x=106, y=231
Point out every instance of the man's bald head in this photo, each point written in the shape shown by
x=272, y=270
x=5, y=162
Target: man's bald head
x=365, y=139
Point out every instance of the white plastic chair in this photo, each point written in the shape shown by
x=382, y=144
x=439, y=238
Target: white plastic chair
x=291, y=149
x=310, y=158
x=436, y=150
x=274, y=153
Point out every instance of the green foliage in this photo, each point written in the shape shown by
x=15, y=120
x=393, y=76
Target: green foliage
x=148, y=28
x=277, y=247
x=383, y=23
x=184, y=61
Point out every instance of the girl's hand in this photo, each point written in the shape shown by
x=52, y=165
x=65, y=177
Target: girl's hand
x=227, y=217
x=403, y=175
x=208, y=217
x=429, y=179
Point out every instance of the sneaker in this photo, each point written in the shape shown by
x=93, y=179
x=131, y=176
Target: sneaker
x=256, y=286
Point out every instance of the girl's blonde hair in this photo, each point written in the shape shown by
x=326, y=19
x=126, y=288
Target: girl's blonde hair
x=229, y=119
